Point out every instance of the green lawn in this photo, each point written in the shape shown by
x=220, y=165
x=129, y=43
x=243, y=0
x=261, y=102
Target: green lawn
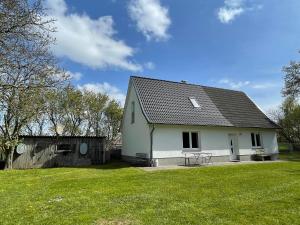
x=283, y=147
x=116, y=194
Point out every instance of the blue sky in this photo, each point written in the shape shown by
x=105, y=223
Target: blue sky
x=235, y=44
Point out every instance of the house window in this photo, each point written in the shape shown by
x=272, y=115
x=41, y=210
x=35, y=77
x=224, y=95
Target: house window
x=256, y=139
x=132, y=112
x=195, y=140
x=186, y=139
x=190, y=140
x=194, y=102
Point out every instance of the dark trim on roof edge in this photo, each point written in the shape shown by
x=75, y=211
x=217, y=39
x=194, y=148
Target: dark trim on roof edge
x=216, y=126
x=141, y=104
x=177, y=82
x=126, y=102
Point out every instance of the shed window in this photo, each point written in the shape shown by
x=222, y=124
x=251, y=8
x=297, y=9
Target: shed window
x=256, y=140
x=194, y=102
x=64, y=147
x=132, y=112
x=190, y=140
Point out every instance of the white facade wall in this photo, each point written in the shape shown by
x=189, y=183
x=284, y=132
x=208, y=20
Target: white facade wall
x=167, y=140
x=136, y=136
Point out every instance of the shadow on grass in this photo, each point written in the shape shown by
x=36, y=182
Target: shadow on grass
x=116, y=164
x=108, y=166
x=290, y=156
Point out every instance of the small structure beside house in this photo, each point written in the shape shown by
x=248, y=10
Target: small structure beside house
x=53, y=151
x=164, y=120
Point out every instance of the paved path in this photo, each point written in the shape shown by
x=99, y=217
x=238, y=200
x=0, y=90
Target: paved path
x=211, y=164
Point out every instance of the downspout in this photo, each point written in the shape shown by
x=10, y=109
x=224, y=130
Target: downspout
x=151, y=146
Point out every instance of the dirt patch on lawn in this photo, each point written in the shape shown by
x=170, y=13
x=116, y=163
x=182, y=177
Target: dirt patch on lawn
x=114, y=222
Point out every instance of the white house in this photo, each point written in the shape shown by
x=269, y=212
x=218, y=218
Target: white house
x=164, y=119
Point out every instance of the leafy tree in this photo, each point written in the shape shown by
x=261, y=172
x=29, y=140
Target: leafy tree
x=74, y=111
x=27, y=68
x=38, y=124
x=113, y=113
x=54, y=110
x=292, y=79
x=288, y=117
x=291, y=120
x=95, y=104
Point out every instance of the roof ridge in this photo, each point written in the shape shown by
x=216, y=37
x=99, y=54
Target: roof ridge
x=178, y=82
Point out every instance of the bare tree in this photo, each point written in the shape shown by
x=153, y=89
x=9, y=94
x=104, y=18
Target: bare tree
x=27, y=68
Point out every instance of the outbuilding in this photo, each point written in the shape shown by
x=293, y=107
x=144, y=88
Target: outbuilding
x=55, y=151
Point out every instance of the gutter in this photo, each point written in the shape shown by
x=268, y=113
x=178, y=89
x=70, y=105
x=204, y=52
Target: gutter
x=151, y=146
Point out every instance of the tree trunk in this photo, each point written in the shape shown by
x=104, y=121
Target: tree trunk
x=9, y=159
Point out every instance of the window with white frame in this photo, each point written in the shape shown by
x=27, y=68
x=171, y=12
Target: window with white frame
x=190, y=140
x=194, y=102
x=256, y=140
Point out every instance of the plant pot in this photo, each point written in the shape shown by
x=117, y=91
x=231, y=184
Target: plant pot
x=2, y=164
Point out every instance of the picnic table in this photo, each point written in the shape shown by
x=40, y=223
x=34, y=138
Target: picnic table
x=199, y=157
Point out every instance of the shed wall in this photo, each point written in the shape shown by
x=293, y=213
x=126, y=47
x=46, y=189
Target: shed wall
x=42, y=152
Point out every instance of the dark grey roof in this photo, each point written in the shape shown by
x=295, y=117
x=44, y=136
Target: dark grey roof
x=167, y=102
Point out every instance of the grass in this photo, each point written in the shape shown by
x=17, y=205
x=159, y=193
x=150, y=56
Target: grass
x=117, y=194
x=290, y=156
x=283, y=147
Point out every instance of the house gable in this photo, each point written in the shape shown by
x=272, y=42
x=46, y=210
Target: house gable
x=135, y=134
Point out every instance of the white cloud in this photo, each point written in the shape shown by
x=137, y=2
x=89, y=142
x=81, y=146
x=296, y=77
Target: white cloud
x=234, y=85
x=105, y=88
x=227, y=14
x=234, y=8
x=242, y=84
x=264, y=85
x=151, y=18
x=149, y=65
x=75, y=76
x=89, y=41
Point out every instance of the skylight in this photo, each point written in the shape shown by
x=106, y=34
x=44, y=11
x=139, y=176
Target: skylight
x=194, y=102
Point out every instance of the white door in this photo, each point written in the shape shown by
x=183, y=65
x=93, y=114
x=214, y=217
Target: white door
x=233, y=147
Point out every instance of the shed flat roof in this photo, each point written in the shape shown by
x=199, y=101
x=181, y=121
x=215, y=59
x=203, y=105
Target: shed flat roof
x=63, y=136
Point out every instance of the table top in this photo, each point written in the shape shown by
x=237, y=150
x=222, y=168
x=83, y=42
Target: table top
x=198, y=153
